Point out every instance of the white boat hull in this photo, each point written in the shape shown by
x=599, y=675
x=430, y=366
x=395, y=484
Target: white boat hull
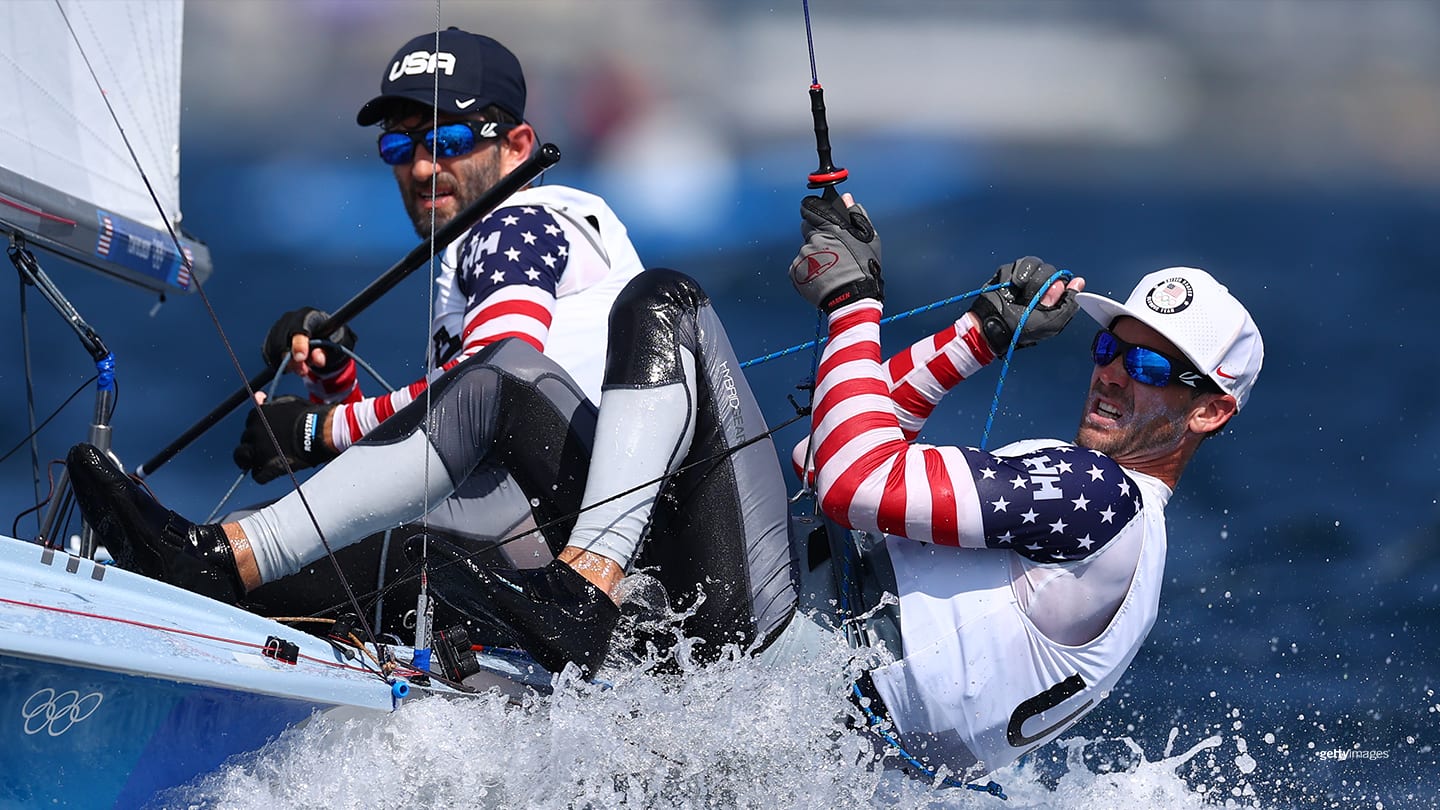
x=114, y=687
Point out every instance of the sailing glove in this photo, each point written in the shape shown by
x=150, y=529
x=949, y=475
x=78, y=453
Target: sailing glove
x=299, y=428
x=840, y=260
x=305, y=321
x=999, y=311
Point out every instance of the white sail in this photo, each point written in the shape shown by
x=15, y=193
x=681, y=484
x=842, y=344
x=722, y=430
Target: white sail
x=70, y=170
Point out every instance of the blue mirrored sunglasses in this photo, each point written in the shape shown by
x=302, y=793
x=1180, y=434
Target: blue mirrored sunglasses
x=445, y=141
x=1144, y=364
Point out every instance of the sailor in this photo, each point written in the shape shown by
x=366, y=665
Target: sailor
x=1027, y=578
x=612, y=488
x=545, y=267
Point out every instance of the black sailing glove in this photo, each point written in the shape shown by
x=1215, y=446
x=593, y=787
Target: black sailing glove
x=840, y=260
x=999, y=311
x=305, y=321
x=298, y=427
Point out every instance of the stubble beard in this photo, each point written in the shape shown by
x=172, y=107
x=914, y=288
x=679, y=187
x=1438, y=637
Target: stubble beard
x=1143, y=437
x=471, y=180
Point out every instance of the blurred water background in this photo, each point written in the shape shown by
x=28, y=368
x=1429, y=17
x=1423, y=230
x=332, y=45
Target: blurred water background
x=1291, y=147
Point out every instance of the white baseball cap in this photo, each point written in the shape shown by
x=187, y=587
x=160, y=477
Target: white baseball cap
x=1200, y=316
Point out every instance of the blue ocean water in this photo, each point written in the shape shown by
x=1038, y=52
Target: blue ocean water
x=1303, y=584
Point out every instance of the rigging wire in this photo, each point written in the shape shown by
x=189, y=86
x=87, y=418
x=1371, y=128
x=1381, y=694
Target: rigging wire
x=270, y=393
x=30, y=400
x=36, y=431
x=422, y=599
x=43, y=502
x=825, y=176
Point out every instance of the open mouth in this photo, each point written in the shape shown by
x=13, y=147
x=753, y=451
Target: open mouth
x=1106, y=410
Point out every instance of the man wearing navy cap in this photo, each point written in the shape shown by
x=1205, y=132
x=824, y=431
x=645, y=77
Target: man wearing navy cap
x=544, y=267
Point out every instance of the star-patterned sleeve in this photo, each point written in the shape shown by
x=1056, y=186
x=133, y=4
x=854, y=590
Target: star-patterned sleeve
x=1056, y=504
x=509, y=272
x=1044, y=505
x=509, y=268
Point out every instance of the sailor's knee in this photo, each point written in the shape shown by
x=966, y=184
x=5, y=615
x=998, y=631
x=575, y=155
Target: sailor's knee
x=661, y=287
x=652, y=317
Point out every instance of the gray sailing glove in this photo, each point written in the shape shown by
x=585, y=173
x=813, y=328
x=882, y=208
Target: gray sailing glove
x=999, y=311
x=840, y=260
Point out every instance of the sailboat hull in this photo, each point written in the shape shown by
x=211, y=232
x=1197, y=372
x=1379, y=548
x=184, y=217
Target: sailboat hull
x=80, y=737
x=114, y=687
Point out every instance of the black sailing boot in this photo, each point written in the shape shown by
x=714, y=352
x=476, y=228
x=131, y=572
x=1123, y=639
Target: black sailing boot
x=557, y=615
x=147, y=538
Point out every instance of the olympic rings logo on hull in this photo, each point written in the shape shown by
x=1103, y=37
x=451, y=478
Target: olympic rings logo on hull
x=54, y=713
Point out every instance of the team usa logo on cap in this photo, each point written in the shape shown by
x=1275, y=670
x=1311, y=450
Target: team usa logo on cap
x=418, y=62
x=1170, y=296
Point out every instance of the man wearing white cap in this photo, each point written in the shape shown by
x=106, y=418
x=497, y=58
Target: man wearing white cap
x=1038, y=566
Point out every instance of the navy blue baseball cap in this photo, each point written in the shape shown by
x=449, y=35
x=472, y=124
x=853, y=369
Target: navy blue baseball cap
x=458, y=72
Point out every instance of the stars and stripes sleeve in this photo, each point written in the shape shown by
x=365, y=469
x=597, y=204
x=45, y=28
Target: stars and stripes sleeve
x=509, y=268
x=509, y=273
x=1053, y=504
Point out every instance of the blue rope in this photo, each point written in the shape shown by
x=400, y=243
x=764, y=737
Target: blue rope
x=1010, y=352
x=820, y=339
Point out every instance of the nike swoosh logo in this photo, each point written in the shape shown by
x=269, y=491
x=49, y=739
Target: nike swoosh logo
x=1220, y=370
x=465, y=104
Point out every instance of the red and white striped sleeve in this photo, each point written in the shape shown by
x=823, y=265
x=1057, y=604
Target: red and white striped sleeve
x=343, y=385
x=919, y=376
x=868, y=474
